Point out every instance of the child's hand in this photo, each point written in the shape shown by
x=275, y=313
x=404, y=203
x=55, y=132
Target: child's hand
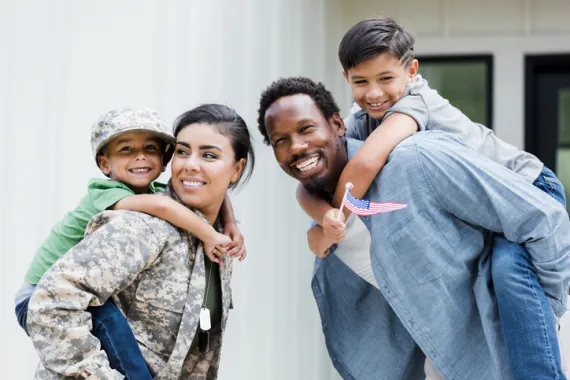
x=334, y=228
x=318, y=243
x=215, y=246
x=236, y=248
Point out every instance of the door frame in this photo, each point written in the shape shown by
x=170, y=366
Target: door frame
x=534, y=65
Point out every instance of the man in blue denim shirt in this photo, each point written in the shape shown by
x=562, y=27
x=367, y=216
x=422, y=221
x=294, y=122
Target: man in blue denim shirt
x=430, y=260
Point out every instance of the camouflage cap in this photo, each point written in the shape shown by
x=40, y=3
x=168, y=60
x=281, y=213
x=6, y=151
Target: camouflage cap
x=119, y=121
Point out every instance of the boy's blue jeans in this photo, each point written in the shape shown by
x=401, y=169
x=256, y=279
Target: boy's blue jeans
x=117, y=339
x=527, y=320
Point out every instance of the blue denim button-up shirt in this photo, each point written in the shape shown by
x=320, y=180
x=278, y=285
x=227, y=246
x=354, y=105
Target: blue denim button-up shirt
x=432, y=263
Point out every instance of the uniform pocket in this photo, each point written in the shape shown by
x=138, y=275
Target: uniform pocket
x=168, y=295
x=156, y=314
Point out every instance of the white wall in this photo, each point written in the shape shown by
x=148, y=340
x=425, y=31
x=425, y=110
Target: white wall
x=64, y=63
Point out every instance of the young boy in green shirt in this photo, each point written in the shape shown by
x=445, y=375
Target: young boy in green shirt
x=131, y=147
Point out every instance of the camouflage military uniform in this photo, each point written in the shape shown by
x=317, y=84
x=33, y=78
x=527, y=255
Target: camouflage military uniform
x=155, y=274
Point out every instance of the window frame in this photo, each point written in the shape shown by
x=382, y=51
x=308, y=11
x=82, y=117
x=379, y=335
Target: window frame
x=486, y=59
x=545, y=75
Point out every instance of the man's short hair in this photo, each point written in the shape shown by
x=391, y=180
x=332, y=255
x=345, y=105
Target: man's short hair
x=372, y=37
x=292, y=86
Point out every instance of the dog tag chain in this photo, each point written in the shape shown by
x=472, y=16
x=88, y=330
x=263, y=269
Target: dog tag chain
x=205, y=319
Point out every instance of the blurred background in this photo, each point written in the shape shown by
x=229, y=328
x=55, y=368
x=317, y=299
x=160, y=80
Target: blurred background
x=505, y=63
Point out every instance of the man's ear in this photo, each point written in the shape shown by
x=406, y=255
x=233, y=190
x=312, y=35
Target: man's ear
x=337, y=123
x=103, y=164
x=345, y=75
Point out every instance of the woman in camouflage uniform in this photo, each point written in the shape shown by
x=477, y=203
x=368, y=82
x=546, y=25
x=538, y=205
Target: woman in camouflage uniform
x=156, y=273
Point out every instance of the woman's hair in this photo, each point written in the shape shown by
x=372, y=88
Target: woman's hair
x=228, y=123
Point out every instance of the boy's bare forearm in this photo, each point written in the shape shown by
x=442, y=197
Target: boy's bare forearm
x=227, y=212
x=313, y=205
x=365, y=165
x=169, y=210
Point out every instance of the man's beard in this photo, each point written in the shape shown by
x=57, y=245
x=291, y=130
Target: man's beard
x=324, y=185
x=318, y=187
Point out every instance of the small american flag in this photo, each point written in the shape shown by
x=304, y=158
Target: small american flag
x=364, y=207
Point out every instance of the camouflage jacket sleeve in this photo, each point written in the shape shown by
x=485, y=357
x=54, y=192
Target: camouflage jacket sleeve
x=118, y=247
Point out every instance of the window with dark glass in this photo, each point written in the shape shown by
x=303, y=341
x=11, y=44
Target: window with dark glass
x=466, y=81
